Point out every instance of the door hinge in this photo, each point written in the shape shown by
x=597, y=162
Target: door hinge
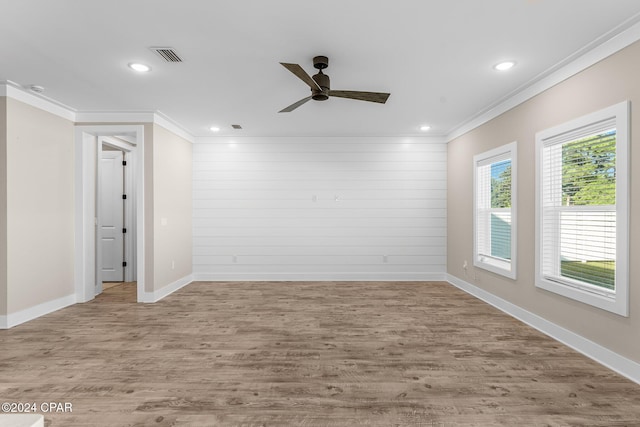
x=124, y=163
x=124, y=197
x=124, y=263
x=124, y=230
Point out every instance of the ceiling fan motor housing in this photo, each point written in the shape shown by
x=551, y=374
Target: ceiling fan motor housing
x=323, y=81
x=320, y=63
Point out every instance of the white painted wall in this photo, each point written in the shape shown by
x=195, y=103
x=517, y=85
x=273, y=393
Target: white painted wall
x=172, y=210
x=40, y=209
x=319, y=208
x=3, y=211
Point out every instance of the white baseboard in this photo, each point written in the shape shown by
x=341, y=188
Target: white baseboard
x=22, y=316
x=620, y=364
x=158, y=294
x=319, y=277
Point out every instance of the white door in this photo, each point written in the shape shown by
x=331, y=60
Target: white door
x=111, y=216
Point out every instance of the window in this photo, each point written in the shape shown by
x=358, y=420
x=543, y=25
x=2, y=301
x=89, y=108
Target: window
x=495, y=210
x=582, y=209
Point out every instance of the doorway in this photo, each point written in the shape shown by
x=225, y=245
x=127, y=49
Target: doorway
x=109, y=236
x=115, y=253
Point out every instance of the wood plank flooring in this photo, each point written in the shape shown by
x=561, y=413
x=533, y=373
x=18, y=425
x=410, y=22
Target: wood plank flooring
x=305, y=354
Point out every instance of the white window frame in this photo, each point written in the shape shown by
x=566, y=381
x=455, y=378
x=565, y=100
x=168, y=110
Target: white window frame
x=616, y=301
x=498, y=266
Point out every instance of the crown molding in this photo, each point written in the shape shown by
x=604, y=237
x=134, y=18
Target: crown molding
x=12, y=90
x=614, y=41
x=115, y=117
x=166, y=122
x=155, y=117
x=421, y=139
x=17, y=92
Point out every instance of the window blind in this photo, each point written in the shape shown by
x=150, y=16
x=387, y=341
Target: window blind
x=579, y=207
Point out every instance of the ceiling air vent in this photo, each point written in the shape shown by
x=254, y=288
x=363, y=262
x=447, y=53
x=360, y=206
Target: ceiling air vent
x=167, y=53
x=236, y=126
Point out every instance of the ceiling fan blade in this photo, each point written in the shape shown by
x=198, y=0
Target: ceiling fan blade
x=361, y=96
x=301, y=74
x=295, y=105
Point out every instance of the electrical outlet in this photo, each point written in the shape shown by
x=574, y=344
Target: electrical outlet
x=173, y=265
x=464, y=264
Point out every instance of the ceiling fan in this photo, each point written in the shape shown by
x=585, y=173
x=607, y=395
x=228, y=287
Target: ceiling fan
x=321, y=89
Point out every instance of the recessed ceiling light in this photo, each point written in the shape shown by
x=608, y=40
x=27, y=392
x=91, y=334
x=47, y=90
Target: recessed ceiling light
x=36, y=88
x=425, y=128
x=141, y=68
x=504, y=66
x=214, y=129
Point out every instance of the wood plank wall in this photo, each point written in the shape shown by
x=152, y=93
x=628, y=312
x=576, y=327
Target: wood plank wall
x=319, y=208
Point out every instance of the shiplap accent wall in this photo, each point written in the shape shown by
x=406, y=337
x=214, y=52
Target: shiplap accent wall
x=319, y=208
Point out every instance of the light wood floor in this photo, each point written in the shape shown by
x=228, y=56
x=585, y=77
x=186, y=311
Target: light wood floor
x=109, y=285
x=305, y=354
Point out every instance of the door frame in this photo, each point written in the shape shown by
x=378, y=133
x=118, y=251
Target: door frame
x=88, y=145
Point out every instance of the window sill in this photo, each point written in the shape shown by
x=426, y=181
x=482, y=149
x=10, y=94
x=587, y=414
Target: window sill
x=612, y=303
x=503, y=268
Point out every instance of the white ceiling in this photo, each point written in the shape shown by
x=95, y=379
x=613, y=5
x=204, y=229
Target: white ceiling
x=434, y=57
